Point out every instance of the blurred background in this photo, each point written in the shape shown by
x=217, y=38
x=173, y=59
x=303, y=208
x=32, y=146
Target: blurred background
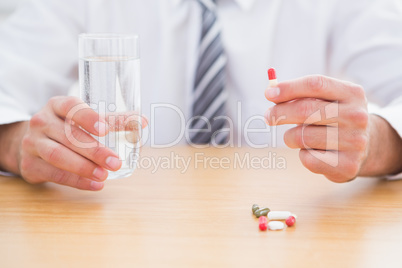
x=7, y=7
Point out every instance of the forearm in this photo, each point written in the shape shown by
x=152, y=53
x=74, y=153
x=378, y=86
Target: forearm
x=10, y=142
x=385, y=149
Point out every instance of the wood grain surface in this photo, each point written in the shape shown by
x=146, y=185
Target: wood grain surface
x=168, y=216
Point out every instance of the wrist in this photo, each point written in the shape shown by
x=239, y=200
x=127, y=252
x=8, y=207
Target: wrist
x=384, y=149
x=10, y=143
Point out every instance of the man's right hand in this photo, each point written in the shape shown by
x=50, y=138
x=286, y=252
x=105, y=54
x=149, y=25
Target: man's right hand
x=47, y=153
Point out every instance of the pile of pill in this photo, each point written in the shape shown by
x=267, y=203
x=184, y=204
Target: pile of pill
x=271, y=220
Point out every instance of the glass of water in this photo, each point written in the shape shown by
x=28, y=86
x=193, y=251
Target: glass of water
x=109, y=72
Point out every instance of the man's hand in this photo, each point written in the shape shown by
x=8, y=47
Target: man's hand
x=47, y=153
x=336, y=135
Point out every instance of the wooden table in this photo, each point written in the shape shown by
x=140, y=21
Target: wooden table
x=202, y=217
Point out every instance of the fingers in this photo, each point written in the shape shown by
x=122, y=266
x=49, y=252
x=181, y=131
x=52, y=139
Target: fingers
x=303, y=111
x=80, y=113
x=36, y=170
x=83, y=144
x=315, y=86
x=313, y=137
x=74, y=109
x=333, y=123
x=325, y=138
x=62, y=158
x=125, y=121
x=336, y=166
x=58, y=146
x=317, y=112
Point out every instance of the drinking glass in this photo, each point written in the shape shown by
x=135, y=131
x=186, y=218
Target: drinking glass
x=109, y=73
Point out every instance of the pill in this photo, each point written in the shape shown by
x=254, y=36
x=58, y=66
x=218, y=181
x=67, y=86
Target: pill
x=262, y=212
x=276, y=225
x=273, y=82
x=254, y=208
x=290, y=221
x=263, y=223
x=279, y=215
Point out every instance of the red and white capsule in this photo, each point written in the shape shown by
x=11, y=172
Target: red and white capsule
x=276, y=225
x=263, y=223
x=290, y=221
x=279, y=215
x=273, y=82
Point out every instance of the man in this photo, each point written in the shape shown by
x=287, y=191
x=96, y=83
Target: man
x=358, y=41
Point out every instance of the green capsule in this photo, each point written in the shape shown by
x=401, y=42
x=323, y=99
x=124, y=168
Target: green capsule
x=257, y=213
x=262, y=212
x=255, y=207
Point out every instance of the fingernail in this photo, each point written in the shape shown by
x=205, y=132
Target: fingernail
x=113, y=162
x=100, y=127
x=96, y=186
x=272, y=93
x=100, y=173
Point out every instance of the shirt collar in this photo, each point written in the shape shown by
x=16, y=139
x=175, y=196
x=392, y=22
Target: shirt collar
x=244, y=4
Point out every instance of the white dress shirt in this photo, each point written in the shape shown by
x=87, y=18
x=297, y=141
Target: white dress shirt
x=360, y=41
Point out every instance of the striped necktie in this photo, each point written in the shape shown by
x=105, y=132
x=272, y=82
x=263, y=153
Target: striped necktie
x=210, y=96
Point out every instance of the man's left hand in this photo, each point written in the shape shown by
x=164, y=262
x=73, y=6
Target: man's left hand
x=334, y=130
